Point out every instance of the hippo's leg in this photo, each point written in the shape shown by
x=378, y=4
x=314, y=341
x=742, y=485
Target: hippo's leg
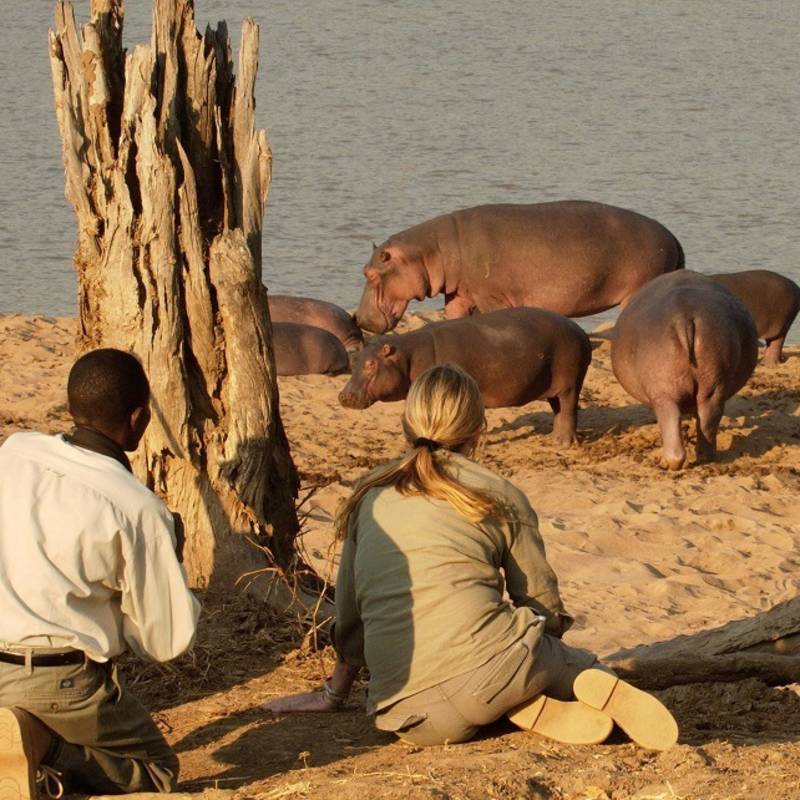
x=457, y=306
x=565, y=421
x=709, y=413
x=773, y=355
x=669, y=422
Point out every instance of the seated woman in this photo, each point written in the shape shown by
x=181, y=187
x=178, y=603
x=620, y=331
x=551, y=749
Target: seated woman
x=431, y=540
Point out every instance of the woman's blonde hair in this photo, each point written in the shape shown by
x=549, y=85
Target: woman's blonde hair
x=444, y=412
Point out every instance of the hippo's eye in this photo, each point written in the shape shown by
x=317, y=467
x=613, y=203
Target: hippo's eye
x=369, y=365
x=385, y=256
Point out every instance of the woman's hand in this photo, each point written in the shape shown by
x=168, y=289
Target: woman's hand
x=307, y=701
x=330, y=698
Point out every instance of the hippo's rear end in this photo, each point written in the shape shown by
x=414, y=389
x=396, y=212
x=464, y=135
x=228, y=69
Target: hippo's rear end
x=684, y=345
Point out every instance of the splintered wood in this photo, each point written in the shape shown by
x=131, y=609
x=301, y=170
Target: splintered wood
x=169, y=180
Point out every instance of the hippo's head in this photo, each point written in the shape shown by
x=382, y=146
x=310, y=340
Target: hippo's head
x=394, y=275
x=378, y=374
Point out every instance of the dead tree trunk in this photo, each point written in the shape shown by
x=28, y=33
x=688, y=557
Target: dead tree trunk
x=169, y=178
x=766, y=646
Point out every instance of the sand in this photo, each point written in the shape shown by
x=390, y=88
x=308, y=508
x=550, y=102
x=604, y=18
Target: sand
x=642, y=556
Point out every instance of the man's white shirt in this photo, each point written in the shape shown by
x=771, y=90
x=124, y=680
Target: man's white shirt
x=87, y=555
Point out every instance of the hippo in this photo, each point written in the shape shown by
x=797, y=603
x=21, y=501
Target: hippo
x=684, y=344
x=308, y=311
x=574, y=257
x=516, y=355
x=307, y=350
x=773, y=302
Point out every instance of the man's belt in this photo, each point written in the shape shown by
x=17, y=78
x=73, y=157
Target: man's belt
x=46, y=659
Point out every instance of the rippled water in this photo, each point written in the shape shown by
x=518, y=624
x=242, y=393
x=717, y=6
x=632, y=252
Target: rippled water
x=382, y=114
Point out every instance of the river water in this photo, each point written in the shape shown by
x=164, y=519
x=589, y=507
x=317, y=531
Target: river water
x=383, y=113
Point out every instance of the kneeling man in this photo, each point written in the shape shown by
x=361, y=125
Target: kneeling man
x=88, y=568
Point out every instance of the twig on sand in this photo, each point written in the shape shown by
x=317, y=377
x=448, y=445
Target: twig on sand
x=670, y=794
x=302, y=787
x=385, y=774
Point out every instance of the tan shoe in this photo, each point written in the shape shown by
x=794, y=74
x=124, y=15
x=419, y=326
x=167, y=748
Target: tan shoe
x=571, y=722
x=644, y=718
x=24, y=741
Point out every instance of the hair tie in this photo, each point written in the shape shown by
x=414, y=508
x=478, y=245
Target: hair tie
x=429, y=443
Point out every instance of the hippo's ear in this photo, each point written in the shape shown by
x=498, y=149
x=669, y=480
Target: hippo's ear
x=374, y=247
x=387, y=349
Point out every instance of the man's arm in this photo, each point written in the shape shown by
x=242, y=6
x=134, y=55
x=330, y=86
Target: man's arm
x=530, y=580
x=159, y=612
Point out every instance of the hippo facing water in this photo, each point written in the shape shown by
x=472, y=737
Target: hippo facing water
x=307, y=350
x=773, y=302
x=573, y=257
x=516, y=355
x=684, y=344
x=320, y=313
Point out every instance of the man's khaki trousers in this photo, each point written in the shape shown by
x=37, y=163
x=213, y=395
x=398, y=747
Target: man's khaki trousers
x=109, y=744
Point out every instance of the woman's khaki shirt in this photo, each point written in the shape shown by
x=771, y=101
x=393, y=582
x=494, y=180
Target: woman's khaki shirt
x=420, y=592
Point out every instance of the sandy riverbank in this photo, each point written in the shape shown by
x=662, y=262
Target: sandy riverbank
x=642, y=556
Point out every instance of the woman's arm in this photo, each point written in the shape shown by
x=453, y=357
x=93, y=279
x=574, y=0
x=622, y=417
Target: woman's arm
x=530, y=580
x=347, y=634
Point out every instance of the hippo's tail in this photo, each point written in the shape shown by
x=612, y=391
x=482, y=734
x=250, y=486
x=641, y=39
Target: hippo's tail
x=681, y=262
x=685, y=331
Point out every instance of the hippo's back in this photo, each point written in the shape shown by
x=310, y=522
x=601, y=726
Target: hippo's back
x=307, y=350
x=772, y=299
x=320, y=313
x=574, y=257
x=516, y=353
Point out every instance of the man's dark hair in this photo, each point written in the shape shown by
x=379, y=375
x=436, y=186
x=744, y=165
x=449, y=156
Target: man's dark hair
x=105, y=386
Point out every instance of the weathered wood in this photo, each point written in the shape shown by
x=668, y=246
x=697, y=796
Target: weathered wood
x=763, y=646
x=660, y=673
x=169, y=180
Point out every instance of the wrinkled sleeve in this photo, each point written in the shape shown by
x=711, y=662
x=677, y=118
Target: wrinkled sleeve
x=530, y=580
x=347, y=632
x=158, y=609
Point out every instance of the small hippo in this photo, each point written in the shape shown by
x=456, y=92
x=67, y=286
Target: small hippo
x=307, y=350
x=684, y=344
x=773, y=302
x=574, y=257
x=308, y=311
x=516, y=355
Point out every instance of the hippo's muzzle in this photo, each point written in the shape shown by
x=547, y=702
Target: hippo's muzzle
x=351, y=399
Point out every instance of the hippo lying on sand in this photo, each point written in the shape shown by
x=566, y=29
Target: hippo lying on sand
x=684, y=344
x=307, y=350
x=573, y=257
x=516, y=355
x=773, y=302
x=308, y=311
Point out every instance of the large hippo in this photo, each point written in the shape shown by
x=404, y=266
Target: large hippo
x=307, y=350
x=684, y=344
x=308, y=311
x=773, y=302
x=516, y=355
x=573, y=257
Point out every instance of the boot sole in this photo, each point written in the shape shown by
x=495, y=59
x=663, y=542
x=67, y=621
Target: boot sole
x=644, y=718
x=17, y=779
x=567, y=722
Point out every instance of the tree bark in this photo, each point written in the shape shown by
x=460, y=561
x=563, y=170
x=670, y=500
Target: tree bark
x=766, y=647
x=169, y=178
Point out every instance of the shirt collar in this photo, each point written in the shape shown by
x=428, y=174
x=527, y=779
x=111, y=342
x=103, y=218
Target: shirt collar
x=91, y=439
